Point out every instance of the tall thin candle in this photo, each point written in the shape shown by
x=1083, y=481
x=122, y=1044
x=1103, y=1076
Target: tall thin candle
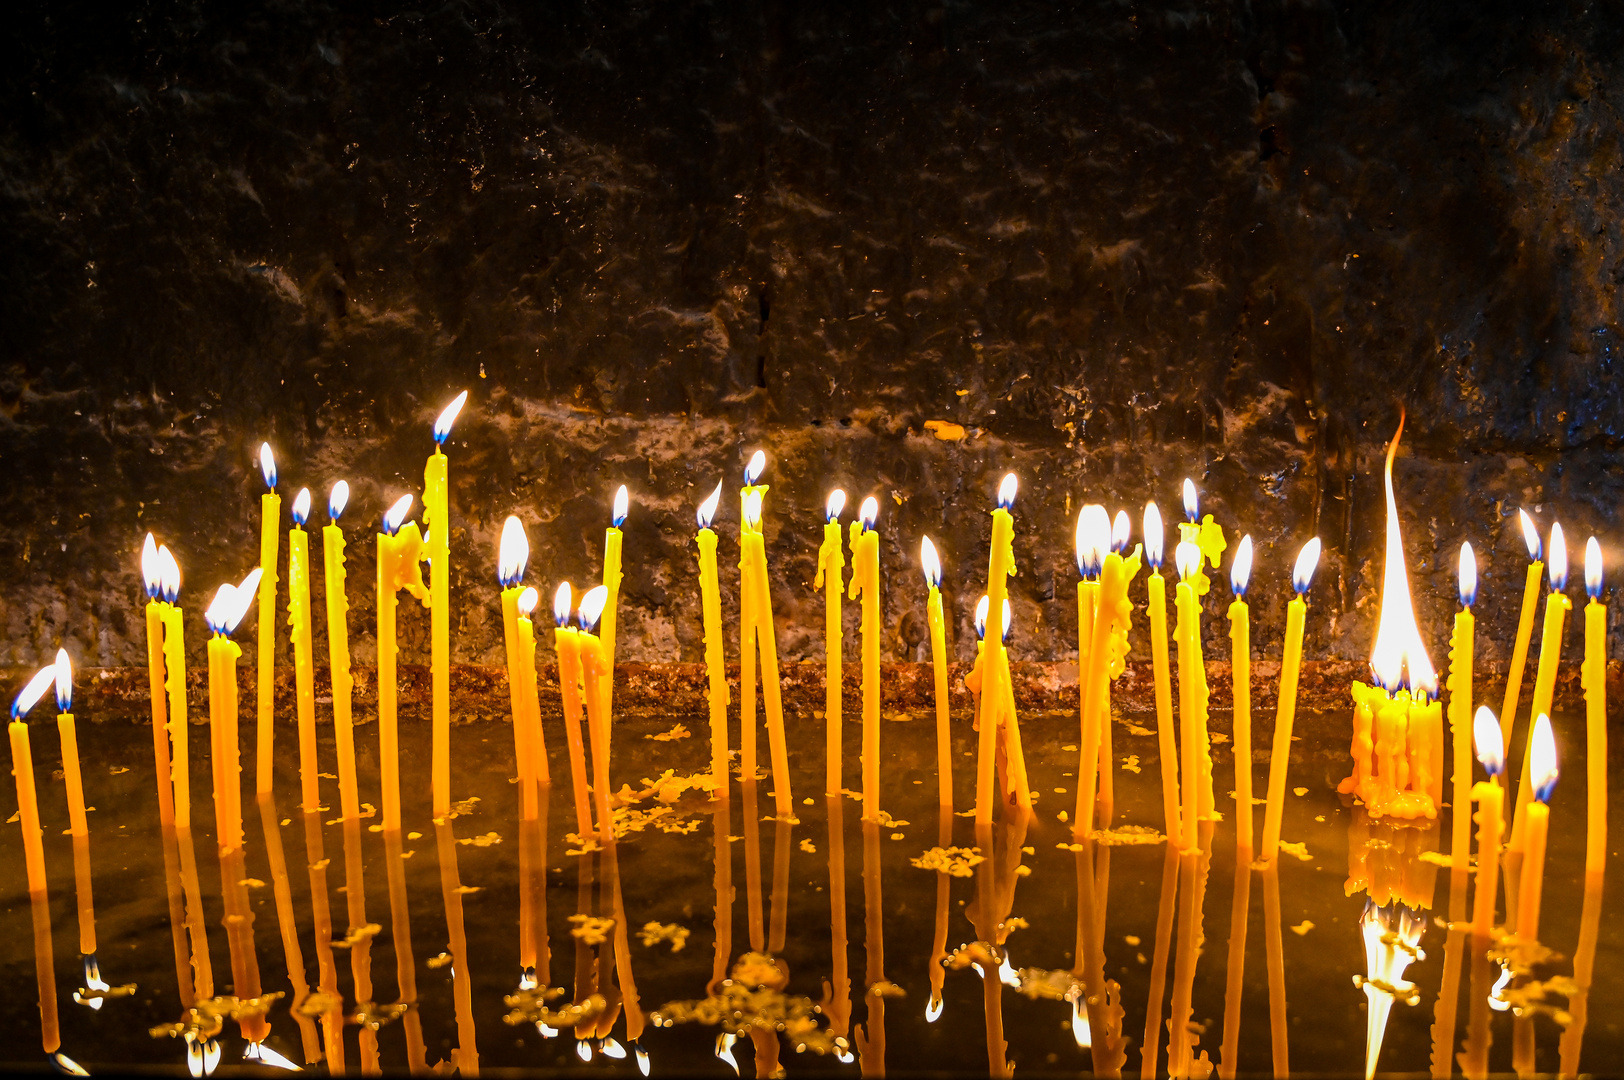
x=1542, y=776
x=1594, y=679
x=1302, y=575
x=22, y=770
x=78, y=827
x=831, y=560
x=1557, y=607
x=1461, y=647
x=437, y=523
x=932, y=566
x=1108, y=614
x=338, y=650
x=1001, y=566
x=511, y=557
x=1156, y=606
x=230, y=604
x=710, y=595
x=175, y=683
x=400, y=554
x=1240, y=639
x=612, y=538
x=270, y=535
x=1525, y=626
x=567, y=642
x=155, y=681
x=304, y=676
x=865, y=579
x=754, y=547
x=1490, y=800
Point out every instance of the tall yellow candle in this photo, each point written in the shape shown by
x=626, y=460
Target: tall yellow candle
x=1156, y=606
x=175, y=684
x=1184, y=632
x=338, y=651
x=1302, y=575
x=710, y=595
x=400, y=554
x=511, y=558
x=1594, y=679
x=749, y=615
x=304, y=674
x=437, y=526
x=1000, y=567
x=155, y=681
x=22, y=770
x=1557, y=607
x=540, y=772
x=865, y=579
x=1490, y=801
x=567, y=643
x=230, y=604
x=753, y=544
x=78, y=827
x=932, y=565
x=1088, y=601
x=1542, y=777
x=1240, y=640
x=270, y=534
x=1461, y=646
x=1525, y=627
x=592, y=670
x=611, y=610
x=1108, y=614
x=831, y=560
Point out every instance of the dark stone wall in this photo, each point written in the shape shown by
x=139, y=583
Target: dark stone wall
x=1120, y=243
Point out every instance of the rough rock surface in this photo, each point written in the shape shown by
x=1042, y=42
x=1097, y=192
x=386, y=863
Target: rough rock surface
x=1117, y=243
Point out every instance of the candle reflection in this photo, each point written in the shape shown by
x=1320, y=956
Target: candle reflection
x=1151, y=1054
x=837, y=988
x=465, y=1058
x=400, y=921
x=870, y=1037
x=1182, y=1059
x=1273, y=947
x=360, y=937
x=1584, y=966
x=332, y=1016
x=287, y=924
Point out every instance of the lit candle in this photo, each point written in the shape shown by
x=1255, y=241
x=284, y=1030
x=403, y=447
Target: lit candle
x=1594, y=679
x=437, y=523
x=932, y=566
x=78, y=827
x=1525, y=626
x=1240, y=640
x=865, y=579
x=338, y=650
x=749, y=615
x=1000, y=567
x=1156, y=604
x=155, y=681
x=1302, y=575
x=1115, y=665
x=230, y=605
x=1557, y=607
x=710, y=594
x=567, y=642
x=304, y=677
x=1187, y=558
x=511, y=556
x=592, y=670
x=1542, y=776
x=540, y=772
x=753, y=546
x=22, y=770
x=175, y=682
x=831, y=560
x=1110, y=610
x=1089, y=558
x=1489, y=799
x=1461, y=646
x=400, y=554
x=270, y=532
x=1014, y=787
x=611, y=609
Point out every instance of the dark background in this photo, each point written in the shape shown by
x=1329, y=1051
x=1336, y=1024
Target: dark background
x=1120, y=243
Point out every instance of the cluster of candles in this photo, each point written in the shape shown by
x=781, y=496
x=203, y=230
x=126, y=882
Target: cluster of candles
x=1398, y=743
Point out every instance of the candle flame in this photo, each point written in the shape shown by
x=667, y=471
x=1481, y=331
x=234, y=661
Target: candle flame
x=869, y=512
x=261, y=1054
x=31, y=693
x=983, y=606
x=527, y=601
x=1192, y=504
x=1155, y=535
x=442, y=425
x=211, y=1056
x=301, y=507
x=1593, y=568
x=1009, y=620
x=1302, y=575
x=168, y=574
x=395, y=516
x=337, y=500
x=611, y=1048
x=1468, y=575
x=1080, y=1029
x=1007, y=975
x=1240, y=571
x=1121, y=531
x=64, y=681
x=1006, y=491
x=1187, y=558
x=1542, y=770
x=642, y=1057
x=1399, y=660
x=1390, y=939
x=1497, y=999
x=752, y=509
x=1491, y=749
x=933, y=1008
x=1558, y=565
x=622, y=504
x=149, y=567
x=62, y=1063
x=1093, y=539
x=755, y=467
x=563, y=600
x=267, y=465
x=843, y=1052
x=707, y=509
x=93, y=983
x=592, y=607
x=834, y=505
x=231, y=603
x=512, y=553
x=724, y=1050
x=1530, y=535
x=583, y=1049
x=932, y=564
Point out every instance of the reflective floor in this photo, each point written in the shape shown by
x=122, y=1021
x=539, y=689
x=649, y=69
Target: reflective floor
x=446, y=919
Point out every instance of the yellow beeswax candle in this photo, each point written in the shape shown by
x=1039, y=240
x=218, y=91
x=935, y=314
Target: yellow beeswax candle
x=1156, y=606
x=611, y=610
x=1557, y=607
x=1461, y=647
x=1490, y=800
x=78, y=827
x=400, y=554
x=749, y=613
x=932, y=565
x=592, y=672
x=865, y=580
x=1187, y=558
x=1302, y=575
x=437, y=537
x=1094, y=535
x=299, y=631
x=1088, y=600
x=1525, y=626
x=1016, y=787
x=1594, y=680
x=338, y=650
x=22, y=770
x=155, y=681
x=1240, y=654
x=1542, y=777
x=567, y=643
x=230, y=604
x=540, y=772
x=753, y=544
x=710, y=593
x=175, y=684
x=512, y=555
x=831, y=560
x=270, y=534
x=1000, y=567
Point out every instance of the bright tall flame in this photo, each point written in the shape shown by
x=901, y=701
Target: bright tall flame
x=1558, y=564
x=64, y=687
x=752, y=509
x=1302, y=574
x=611, y=1048
x=1530, y=535
x=563, y=599
x=1192, y=504
x=512, y=553
x=933, y=1009
x=834, y=505
x=1121, y=532
x=168, y=574
x=592, y=607
x=869, y=512
x=1391, y=936
x=707, y=509
x=1006, y=491
x=1080, y=1029
x=1468, y=575
x=623, y=503
x=756, y=466
x=301, y=507
x=1240, y=571
x=26, y=698
x=1542, y=771
x=267, y=465
x=983, y=606
x=337, y=500
x=932, y=564
x=149, y=568
x=1155, y=536
x=442, y=424
x=395, y=516
x=1187, y=558
x=1491, y=747
x=231, y=603
x=1093, y=539
x=1399, y=660
x=724, y=1050
x=527, y=601
x=1592, y=568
